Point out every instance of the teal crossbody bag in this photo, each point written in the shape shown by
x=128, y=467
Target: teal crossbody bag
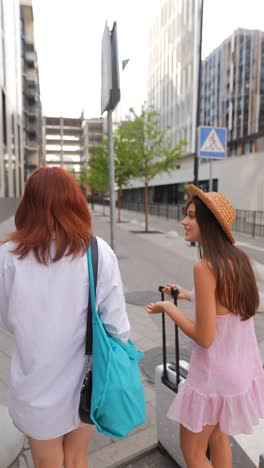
x=118, y=401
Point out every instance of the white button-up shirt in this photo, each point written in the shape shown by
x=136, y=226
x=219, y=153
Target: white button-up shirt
x=45, y=308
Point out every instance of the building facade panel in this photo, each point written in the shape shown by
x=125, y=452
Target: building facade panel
x=232, y=96
x=68, y=141
x=11, y=141
x=240, y=179
x=173, y=67
x=232, y=89
x=32, y=113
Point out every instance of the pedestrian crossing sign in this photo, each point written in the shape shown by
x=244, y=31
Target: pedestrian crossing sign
x=212, y=142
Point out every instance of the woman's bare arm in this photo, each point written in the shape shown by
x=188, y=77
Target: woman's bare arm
x=203, y=329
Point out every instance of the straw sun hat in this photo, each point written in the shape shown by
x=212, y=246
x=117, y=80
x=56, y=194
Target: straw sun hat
x=220, y=207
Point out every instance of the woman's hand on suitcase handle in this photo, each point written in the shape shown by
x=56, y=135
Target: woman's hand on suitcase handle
x=182, y=293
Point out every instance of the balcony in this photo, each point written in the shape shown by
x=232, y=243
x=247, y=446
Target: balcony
x=50, y=131
x=31, y=110
x=53, y=121
x=31, y=92
x=29, y=39
x=31, y=144
x=32, y=128
x=55, y=129
x=72, y=123
x=32, y=160
x=31, y=75
x=30, y=56
x=73, y=131
x=66, y=153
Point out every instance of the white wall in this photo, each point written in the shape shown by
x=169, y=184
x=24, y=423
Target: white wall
x=240, y=178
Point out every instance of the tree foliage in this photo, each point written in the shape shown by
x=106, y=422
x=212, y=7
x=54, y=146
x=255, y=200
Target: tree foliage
x=125, y=162
x=142, y=150
x=98, y=169
x=151, y=146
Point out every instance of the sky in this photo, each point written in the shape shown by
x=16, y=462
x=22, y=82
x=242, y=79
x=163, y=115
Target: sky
x=68, y=38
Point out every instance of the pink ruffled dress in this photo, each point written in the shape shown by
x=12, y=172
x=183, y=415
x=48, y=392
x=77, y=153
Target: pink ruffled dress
x=225, y=382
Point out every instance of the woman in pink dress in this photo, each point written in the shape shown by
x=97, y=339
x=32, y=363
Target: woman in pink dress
x=224, y=391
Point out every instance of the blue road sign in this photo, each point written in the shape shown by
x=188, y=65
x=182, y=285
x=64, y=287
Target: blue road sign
x=212, y=142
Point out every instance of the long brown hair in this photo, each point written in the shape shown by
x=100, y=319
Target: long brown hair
x=52, y=206
x=236, y=287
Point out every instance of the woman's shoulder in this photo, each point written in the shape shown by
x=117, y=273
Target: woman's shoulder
x=6, y=249
x=7, y=257
x=105, y=253
x=107, y=261
x=105, y=249
x=204, y=273
x=203, y=265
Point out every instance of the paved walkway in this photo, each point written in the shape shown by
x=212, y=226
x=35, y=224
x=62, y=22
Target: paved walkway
x=146, y=260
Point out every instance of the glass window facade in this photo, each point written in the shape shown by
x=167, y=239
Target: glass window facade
x=232, y=88
x=11, y=145
x=173, y=67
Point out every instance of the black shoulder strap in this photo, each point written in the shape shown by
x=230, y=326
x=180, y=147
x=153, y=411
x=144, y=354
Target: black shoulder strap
x=89, y=334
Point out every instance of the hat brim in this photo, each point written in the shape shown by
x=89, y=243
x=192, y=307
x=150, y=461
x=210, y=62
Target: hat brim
x=192, y=191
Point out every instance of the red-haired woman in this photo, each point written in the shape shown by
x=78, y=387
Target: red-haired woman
x=43, y=303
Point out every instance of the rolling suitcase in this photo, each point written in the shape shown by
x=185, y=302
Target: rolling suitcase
x=168, y=379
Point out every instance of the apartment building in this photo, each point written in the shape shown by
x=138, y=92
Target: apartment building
x=93, y=132
x=173, y=67
x=32, y=119
x=232, y=90
x=11, y=110
x=67, y=141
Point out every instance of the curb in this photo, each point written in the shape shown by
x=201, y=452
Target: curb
x=120, y=453
x=136, y=458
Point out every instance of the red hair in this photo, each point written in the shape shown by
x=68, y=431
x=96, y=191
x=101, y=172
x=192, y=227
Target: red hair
x=52, y=206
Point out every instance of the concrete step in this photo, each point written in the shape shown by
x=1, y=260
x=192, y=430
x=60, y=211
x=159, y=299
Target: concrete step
x=124, y=450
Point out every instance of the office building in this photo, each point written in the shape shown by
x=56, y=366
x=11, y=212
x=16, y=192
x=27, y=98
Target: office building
x=11, y=121
x=232, y=90
x=93, y=132
x=173, y=67
x=32, y=119
x=232, y=96
x=67, y=141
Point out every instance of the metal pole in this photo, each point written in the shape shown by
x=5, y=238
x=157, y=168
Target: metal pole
x=111, y=177
x=211, y=176
x=196, y=159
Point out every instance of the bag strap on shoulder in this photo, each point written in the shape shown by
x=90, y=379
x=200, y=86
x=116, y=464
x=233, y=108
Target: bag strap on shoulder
x=93, y=247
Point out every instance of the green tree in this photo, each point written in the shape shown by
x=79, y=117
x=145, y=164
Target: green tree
x=80, y=177
x=97, y=173
x=125, y=163
x=151, y=147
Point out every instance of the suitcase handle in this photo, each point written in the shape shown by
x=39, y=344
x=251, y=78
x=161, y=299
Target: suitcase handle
x=174, y=292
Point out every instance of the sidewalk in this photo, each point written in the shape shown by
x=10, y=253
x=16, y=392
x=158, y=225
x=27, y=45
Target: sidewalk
x=146, y=260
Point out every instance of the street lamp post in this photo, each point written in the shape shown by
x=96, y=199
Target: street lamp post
x=110, y=96
x=198, y=107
